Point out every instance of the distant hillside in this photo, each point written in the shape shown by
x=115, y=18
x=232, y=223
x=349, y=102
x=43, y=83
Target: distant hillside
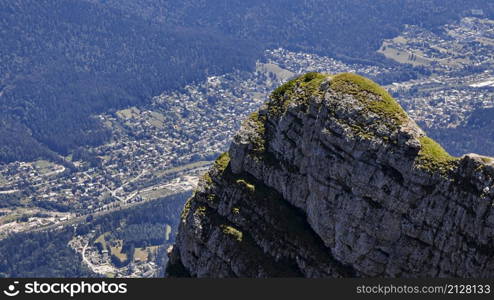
x=63, y=60
x=343, y=28
x=475, y=135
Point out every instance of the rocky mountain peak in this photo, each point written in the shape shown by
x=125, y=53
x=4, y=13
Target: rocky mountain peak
x=332, y=178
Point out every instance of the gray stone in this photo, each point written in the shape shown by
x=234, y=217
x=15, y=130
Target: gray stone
x=327, y=202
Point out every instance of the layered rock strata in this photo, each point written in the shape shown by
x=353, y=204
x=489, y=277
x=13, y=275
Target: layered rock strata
x=331, y=178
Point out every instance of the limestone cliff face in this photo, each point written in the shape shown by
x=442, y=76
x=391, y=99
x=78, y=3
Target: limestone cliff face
x=332, y=179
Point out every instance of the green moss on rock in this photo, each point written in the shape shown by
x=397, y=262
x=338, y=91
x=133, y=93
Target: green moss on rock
x=360, y=87
x=258, y=122
x=200, y=211
x=220, y=165
x=374, y=99
x=211, y=197
x=296, y=90
x=207, y=178
x=232, y=231
x=432, y=156
x=222, y=162
x=248, y=186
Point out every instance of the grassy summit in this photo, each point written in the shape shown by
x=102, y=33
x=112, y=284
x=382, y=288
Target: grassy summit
x=302, y=87
x=360, y=87
x=433, y=157
x=298, y=89
x=372, y=97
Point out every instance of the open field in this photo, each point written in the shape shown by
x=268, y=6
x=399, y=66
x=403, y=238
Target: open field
x=128, y=113
x=117, y=250
x=141, y=254
x=183, y=168
x=404, y=57
x=101, y=239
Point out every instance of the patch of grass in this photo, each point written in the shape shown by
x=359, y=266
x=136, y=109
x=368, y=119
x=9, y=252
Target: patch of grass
x=285, y=94
x=207, y=178
x=259, y=140
x=297, y=90
x=373, y=97
x=142, y=254
x=433, y=157
x=200, y=211
x=154, y=193
x=42, y=164
x=248, y=186
x=117, y=251
x=229, y=230
x=284, y=89
x=220, y=165
x=387, y=107
x=222, y=161
x=102, y=240
x=211, y=197
x=128, y=113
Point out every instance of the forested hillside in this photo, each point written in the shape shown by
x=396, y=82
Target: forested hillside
x=351, y=29
x=43, y=254
x=64, y=60
x=47, y=254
